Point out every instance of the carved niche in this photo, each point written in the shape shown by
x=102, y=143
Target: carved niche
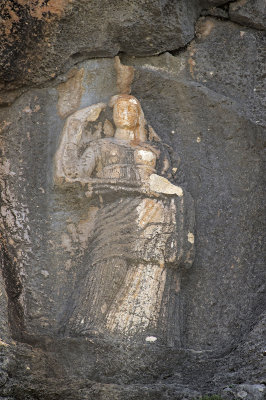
x=143, y=230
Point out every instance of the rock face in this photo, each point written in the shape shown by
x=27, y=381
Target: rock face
x=250, y=13
x=65, y=245
x=34, y=35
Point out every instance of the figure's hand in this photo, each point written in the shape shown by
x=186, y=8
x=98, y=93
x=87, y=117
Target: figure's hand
x=76, y=122
x=160, y=184
x=67, y=156
x=87, y=114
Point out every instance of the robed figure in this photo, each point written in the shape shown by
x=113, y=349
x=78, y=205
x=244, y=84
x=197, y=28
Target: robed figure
x=142, y=238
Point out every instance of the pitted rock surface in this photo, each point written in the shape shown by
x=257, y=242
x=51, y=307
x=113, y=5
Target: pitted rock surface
x=199, y=79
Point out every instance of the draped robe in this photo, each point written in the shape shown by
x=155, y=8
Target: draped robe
x=131, y=286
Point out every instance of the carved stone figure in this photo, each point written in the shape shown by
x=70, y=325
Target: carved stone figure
x=143, y=229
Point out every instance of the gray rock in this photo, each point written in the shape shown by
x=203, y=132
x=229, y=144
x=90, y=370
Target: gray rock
x=249, y=13
x=40, y=40
x=213, y=3
x=214, y=133
x=228, y=59
x=217, y=156
x=206, y=103
x=245, y=391
x=254, y=392
x=3, y=378
x=215, y=12
x=5, y=336
x=242, y=394
x=3, y=312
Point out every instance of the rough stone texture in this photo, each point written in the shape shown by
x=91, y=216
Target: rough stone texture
x=4, y=335
x=3, y=311
x=249, y=13
x=229, y=59
x=213, y=3
x=206, y=103
x=34, y=36
x=216, y=12
x=229, y=195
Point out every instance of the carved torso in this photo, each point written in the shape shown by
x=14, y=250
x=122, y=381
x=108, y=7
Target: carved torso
x=117, y=159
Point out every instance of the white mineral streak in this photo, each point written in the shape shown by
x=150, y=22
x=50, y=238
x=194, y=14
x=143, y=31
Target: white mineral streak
x=160, y=184
x=190, y=237
x=154, y=68
x=178, y=66
x=151, y=339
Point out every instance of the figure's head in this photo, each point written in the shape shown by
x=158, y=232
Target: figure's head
x=127, y=114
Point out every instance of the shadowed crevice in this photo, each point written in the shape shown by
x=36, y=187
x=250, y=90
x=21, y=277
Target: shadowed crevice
x=13, y=289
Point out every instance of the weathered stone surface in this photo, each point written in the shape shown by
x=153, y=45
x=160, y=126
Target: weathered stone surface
x=206, y=104
x=228, y=59
x=213, y=134
x=42, y=38
x=249, y=13
x=3, y=312
x=246, y=363
x=34, y=36
x=212, y=3
x=209, y=159
x=30, y=193
x=4, y=335
x=216, y=12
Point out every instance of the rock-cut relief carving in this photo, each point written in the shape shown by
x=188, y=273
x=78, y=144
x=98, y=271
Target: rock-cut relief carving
x=143, y=230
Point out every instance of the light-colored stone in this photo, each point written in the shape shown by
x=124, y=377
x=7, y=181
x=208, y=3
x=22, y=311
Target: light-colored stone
x=125, y=76
x=190, y=237
x=160, y=184
x=70, y=93
x=151, y=339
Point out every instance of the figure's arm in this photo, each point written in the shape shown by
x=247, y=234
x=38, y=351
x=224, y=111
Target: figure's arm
x=87, y=163
x=68, y=166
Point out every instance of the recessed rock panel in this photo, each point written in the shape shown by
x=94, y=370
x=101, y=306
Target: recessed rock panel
x=162, y=330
